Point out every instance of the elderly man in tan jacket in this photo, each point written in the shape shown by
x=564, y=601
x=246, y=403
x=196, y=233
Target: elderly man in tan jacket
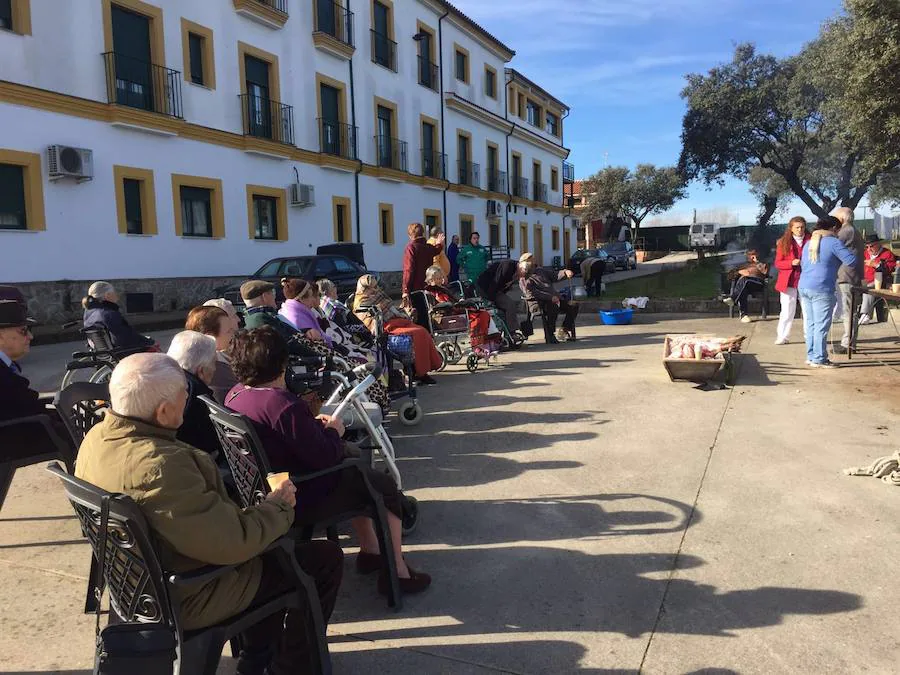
x=179, y=490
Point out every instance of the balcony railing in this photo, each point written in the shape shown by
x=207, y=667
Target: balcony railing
x=279, y=5
x=469, y=173
x=568, y=172
x=391, y=153
x=334, y=20
x=139, y=84
x=540, y=192
x=265, y=118
x=337, y=139
x=520, y=187
x=428, y=73
x=496, y=180
x=434, y=164
x=384, y=50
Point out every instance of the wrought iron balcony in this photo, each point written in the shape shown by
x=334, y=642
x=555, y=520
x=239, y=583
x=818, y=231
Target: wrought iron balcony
x=265, y=118
x=337, y=139
x=496, y=180
x=520, y=187
x=568, y=172
x=391, y=153
x=540, y=192
x=469, y=173
x=384, y=50
x=428, y=73
x=278, y=5
x=434, y=164
x=334, y=20
x=139, y=84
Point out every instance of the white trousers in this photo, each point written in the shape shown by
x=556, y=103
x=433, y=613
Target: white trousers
x=788, y=312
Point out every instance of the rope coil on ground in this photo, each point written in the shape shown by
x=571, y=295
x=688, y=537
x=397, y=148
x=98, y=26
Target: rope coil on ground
x=886, y=468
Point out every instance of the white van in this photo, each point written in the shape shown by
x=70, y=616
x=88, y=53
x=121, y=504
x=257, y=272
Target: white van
x=705, y=236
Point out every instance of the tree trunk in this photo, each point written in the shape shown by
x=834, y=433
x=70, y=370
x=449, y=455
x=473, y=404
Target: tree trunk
x=793, y=181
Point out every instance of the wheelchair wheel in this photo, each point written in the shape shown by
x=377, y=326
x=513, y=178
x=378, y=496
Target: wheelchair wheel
x=472, y=363
x=445, y=349
x=410, y=413
x=410, y=520
x=101, y=375
x=519, y=338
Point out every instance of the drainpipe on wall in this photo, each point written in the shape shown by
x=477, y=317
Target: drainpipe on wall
x=359, y=167
x=562, y=144
x=443, y=150
x=509, y=176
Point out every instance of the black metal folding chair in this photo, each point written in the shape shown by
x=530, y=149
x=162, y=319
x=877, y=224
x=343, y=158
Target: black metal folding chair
x=49, y=445
x=139, y=587
x=250, y=466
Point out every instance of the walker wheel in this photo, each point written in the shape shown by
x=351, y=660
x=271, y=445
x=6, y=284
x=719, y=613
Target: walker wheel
x=445, y=350
x=472, y=363
x=410, y=506
x=410, y=413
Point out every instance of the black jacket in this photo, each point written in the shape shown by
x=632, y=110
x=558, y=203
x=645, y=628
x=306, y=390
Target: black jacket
x=539, y=288
x=18, y=399
x=107, y=314
x=498, y=278
x=197, y=429
x=256, y=317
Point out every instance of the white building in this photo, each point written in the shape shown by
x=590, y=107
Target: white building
x=200, y=118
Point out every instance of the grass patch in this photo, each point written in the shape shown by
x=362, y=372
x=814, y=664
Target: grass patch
x=694, y=281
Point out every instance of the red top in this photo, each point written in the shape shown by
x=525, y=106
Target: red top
x=788, y=275
x=890, y=262
x=417, y=258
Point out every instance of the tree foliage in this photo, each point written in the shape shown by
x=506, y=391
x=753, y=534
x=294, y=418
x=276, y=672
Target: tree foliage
x=648, y=190
x=772, y=192
x=791, y=117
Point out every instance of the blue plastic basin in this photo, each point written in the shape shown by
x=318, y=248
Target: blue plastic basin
x=616, y=317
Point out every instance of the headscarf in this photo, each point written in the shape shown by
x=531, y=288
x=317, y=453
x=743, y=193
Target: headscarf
x=814, y=242
x=369, y=294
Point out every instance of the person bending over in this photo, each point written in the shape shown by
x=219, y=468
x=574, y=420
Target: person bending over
x=746, y=280
x=541, y=296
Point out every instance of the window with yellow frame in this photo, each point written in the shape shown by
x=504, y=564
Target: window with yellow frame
x=386, y=223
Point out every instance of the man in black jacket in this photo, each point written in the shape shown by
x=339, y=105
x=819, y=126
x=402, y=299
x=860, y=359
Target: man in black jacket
x=496, y=282
x=541, y=295
x=17, y=398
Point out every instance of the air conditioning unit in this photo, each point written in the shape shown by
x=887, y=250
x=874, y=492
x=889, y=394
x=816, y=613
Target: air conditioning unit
x=303, y=195
x=494, y=208
x=68, y=162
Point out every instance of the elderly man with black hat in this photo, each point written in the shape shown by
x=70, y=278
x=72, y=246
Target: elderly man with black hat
x=540, y=294
x=877, y=259
x=497, y=281
x=262, y=310
x=17, y=398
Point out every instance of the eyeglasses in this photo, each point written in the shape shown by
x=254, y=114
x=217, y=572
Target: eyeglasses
x=24, y=331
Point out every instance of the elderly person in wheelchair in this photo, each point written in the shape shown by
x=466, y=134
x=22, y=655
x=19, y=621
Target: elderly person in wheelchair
x=134, y=451
x=296, y=441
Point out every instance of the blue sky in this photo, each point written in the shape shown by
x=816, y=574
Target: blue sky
x=620, y=66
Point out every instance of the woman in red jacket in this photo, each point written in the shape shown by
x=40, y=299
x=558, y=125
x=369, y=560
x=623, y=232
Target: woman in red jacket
x=787, y=261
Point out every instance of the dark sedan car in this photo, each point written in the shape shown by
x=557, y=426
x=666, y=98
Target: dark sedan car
x=342, y=271
x=579, y=256
x=622, y=254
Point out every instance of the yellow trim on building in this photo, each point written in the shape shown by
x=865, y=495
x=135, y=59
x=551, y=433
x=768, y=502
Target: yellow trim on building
x=149, y=225
x=217, y=207
x=538, y=244
x=348, y=217
x=459, y=49
x=268, y=14
x=389, y=209
x=463, y=240
x=554, y=238
x=21, y=17
x=152, y=12
x=281, y=212
x=488, y=69
x=422, y=27
x=511, y=233
x=274, y=73
x=434, y=213
x=208, y=57
x=554, y=179
x=523, y=236
x=390, y=7
x=342, y=106
x=33, y=184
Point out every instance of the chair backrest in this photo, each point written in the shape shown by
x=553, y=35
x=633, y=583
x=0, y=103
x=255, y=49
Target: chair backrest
x=81, y=406
x=132, y=570
x=98, y=338
x=243, y=450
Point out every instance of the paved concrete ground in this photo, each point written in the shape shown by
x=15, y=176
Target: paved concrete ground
x=581, y=513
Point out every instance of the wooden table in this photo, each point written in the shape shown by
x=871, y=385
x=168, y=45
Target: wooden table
x=856, y=293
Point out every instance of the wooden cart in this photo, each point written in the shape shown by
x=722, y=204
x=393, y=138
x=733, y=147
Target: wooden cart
x=697, y=370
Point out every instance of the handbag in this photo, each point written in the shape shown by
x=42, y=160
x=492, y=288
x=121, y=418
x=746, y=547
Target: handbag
x=128, y=648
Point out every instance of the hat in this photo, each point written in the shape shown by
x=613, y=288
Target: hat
x=526, y=257
x=13, y=314
x=254, y=288
x=11, y=293
x=873, y=238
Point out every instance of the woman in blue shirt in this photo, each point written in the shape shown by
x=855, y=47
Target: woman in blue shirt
x=822, y=256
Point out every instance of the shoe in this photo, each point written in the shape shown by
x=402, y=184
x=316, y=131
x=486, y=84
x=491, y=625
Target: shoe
x=828, y=364
x=729, y=301
x=782, y=341
x=367, y=563
x=553, y=341
x=427, y=380
x=810, y=363
x=746, y=318
x=840, y=349
x=863, y=320
x=417, y=582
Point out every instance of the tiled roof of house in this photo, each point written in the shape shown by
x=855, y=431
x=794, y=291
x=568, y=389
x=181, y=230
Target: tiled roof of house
x=478, y=28
x=538, y=88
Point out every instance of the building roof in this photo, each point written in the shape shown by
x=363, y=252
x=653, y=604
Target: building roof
x=478, y=29
x=516, y=75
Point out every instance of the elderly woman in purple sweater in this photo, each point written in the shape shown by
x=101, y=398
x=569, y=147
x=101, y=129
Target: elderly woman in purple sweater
x=300, y=309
